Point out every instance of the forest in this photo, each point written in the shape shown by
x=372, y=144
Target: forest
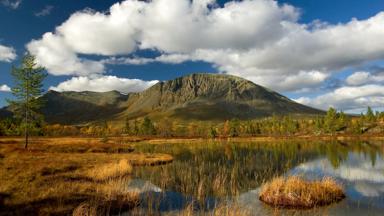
x=332, y=123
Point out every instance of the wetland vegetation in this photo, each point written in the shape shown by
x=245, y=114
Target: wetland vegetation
x=65, y=175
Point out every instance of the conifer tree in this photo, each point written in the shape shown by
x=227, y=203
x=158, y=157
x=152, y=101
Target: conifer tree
x=27, y=90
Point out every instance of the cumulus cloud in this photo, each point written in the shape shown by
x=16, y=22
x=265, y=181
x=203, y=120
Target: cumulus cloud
x=59, y=59
x=13, y=4
x=5, y=88
x=103, y=84
x=348, y=98
x=260, y=40
x=178, y=30
x=7, y=54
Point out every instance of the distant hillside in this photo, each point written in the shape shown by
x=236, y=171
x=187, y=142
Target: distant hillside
x=192, y=97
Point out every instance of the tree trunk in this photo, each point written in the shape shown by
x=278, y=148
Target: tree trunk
x=26, y=116
x=26, y=130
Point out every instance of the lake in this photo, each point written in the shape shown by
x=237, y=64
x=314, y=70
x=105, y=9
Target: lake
x=212, y=173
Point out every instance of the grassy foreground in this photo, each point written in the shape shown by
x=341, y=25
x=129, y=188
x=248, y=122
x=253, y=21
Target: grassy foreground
x=55, y=175
x=295, y=192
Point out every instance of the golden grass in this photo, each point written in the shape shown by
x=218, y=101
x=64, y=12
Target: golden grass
x=112, y=198
x=52, y=176
x=111, y=170
x=295, y=192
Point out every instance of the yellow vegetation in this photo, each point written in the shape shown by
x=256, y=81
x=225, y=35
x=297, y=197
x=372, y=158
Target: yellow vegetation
x=53, y=175
x=111, y=170
x=295, y=192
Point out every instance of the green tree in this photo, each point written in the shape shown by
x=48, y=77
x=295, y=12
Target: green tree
x=330, y=120
x=370, y=116
x=342, y=121
x=147, y=127
x=27, y=90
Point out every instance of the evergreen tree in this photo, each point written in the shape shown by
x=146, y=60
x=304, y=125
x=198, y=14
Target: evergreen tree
x=369, y=116
x=330, y=120
x=28, y=88
x=147, y=127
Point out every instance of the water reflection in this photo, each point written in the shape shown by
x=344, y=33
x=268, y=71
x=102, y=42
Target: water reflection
x=363, y=179
x=208, y=173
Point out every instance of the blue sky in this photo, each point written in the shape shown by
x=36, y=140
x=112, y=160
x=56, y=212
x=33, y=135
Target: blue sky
x=308, y=50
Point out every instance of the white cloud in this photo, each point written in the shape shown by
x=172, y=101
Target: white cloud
x=356, y=170
x=13, y=4
x=363, y=77
x=45, y=11
x=260, y=40
x=165, y=58
x=5, y=88
x=181, y=29
x=103, y=84
x=7, y=54
x=348, y=98
x=59, y=59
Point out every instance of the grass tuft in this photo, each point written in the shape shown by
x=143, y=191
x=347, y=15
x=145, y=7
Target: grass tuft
x=110, y=171
x=295, y=192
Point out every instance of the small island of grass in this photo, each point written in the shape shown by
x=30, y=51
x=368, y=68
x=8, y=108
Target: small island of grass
x=296, y=192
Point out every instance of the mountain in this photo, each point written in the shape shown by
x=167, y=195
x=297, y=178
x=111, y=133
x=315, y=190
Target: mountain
x=192, y=97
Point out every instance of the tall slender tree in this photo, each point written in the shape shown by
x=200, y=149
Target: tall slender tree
x=28, y=87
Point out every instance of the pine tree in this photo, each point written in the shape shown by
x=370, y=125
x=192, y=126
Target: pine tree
x=28, y=88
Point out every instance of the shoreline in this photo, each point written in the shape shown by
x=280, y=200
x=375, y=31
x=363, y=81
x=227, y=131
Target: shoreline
x=135, y=139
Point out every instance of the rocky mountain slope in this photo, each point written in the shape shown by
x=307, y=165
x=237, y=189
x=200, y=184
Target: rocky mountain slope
x=192, y=97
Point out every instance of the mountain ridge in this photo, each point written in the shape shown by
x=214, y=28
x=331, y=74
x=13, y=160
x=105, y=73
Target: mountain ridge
x=198, y=96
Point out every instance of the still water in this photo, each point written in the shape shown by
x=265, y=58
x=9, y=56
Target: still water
x=211, y=173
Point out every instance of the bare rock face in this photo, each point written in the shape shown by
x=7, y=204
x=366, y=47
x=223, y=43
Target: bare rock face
x=192, y=97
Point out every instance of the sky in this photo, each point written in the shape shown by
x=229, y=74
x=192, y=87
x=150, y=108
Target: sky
x=319, y=53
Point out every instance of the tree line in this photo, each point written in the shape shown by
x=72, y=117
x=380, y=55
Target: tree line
x=28, y=79
x=332, y=123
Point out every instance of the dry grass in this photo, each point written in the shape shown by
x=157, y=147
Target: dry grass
x=52, y=176
x=295, y=192
x=111, y=170
x=112, y=198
